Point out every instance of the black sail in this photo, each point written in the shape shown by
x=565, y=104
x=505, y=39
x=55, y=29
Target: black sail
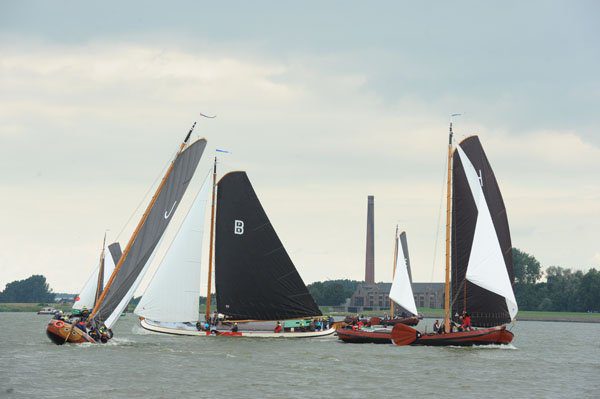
x=151, y=231
x=486, y=308
x=255, y=278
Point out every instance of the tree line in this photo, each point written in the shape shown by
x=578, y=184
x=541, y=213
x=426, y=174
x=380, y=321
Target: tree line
x=561, y=290
x=34, y=289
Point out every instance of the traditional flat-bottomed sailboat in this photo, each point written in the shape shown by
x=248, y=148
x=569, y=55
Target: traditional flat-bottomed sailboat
x=400, y=293
x=478, y=256
x=132, y=265
x=257, y=284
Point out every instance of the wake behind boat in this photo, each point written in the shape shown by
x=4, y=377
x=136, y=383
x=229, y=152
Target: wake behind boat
x=478, y=256
x=259, y=291
x=133, y=263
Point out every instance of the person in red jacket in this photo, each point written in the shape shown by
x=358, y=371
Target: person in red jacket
x=466, y=322
x=278, y=328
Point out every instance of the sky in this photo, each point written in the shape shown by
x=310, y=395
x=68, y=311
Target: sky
x=322, y=105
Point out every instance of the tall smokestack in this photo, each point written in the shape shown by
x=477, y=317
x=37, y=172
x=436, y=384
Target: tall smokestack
x=370, y=256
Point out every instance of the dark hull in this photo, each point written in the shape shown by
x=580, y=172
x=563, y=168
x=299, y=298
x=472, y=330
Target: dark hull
x=409, y=321
x=365, y=337
x=403, y=335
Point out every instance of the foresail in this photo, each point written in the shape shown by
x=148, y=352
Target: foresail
x=174, y=292
x=255, y=278
x=87, y=296
x=401, y=291
x=133, y=264
x=481, y=248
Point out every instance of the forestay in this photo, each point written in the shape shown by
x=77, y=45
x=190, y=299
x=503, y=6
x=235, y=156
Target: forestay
x=486, y=266
x=401, y=291
x=133, y=266
x=174, y=292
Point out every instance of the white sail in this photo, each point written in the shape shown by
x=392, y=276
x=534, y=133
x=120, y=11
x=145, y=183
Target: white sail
x=87, y=296
x=486, y=267
x=173, y=294
x=401, y=291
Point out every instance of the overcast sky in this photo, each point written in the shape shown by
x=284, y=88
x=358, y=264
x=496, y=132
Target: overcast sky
x=322, y=105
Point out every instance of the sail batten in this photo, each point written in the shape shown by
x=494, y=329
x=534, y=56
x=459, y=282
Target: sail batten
x=481, y=261
x=133, y=264
x=255, y=277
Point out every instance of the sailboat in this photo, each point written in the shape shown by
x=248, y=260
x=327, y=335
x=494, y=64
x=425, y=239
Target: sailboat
x=257, y=285
x=478, y=255
x=133, y=263
x=400, y=293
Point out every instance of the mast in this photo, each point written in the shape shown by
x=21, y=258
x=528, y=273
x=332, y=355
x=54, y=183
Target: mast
x=211, y=242
x=394, y=269
x=140, y=225
x=100, y=279
x=448, y=232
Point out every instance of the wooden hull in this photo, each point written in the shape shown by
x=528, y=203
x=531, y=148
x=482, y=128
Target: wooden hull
x=404, y=335
x=150, y=326
x=381, y=336
x=61, y=332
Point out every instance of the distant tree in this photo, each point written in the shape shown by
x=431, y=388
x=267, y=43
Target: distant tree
x=563, y=288
x=34, y=289
x=332, y=292
x=526, y=267
x=590, y=291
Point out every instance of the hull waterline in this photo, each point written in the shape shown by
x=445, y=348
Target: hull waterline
x=380, y=336
x=149, y=326
x=404, y=335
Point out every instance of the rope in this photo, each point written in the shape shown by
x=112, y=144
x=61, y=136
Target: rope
x=143, y=200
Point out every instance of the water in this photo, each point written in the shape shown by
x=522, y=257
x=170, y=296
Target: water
x=545, y=360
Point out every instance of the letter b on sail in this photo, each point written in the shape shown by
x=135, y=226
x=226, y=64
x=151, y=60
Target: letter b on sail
x=238, y=227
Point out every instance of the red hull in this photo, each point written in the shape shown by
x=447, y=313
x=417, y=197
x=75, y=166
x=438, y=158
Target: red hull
x=403, y=335
x=365, y=337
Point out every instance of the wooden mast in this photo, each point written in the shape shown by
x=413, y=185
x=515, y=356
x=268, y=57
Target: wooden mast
x=211, y=242
x=139, y=226
x=448, y=233
x=100, y=280
x=394, y=269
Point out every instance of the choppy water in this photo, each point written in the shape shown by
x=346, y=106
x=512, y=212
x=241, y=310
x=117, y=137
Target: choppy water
x=545, y=360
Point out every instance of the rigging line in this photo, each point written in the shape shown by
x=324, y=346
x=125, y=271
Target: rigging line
x=160, y=174
x=439, y=218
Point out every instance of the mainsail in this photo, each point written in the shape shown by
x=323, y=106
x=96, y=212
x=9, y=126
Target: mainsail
x=133, y=264
x=174, y=292
x=255, y=277
x=482, y=270
x=89, y=292
x=401, y=291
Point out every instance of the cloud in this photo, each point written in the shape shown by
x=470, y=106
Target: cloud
x=85, y=129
